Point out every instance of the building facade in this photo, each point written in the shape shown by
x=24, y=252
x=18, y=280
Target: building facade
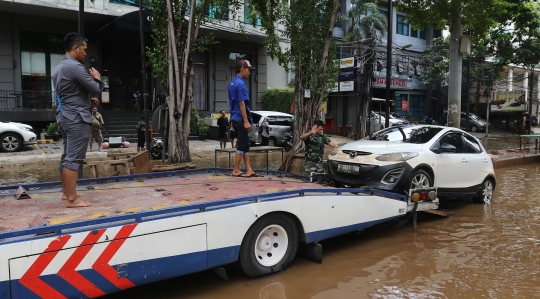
x=31, y=33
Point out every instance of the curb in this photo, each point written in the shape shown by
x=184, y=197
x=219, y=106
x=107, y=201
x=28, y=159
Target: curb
x=46, y=141
x=516, y=161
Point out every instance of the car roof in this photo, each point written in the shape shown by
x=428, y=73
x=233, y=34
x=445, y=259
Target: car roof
x=276, y=113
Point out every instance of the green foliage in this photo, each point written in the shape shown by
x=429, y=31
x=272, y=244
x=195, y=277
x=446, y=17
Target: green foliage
x=375, y=23
x=278, y=99
x=51, y=129
x=202, y=126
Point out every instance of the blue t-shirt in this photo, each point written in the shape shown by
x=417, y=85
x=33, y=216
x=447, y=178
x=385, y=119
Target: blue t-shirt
x=238, y=92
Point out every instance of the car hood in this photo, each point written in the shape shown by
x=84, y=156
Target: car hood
x=382, y=147
x=14, y=124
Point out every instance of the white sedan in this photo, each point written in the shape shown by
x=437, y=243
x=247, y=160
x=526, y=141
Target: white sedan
x=14, y=135
x=415, y=156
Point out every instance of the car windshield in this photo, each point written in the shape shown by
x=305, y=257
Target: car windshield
x=474, y=116
x=409, y=134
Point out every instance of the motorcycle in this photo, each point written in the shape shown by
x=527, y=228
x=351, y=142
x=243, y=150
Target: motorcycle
x=427, y=120
x=287, y=143
x=156, y=148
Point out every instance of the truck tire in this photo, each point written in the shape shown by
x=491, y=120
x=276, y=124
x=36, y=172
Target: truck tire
x=269, y=245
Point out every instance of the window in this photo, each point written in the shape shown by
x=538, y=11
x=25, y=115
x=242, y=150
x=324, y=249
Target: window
x=471, y=145
x=421, y=34
x=453, y=139
x=402, y=25
x=200, y=82
x=416, y=106
x=219, y=12
x=384, y=13
x=248, y=17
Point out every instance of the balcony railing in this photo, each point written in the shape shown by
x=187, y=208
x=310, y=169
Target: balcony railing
x=27, y=100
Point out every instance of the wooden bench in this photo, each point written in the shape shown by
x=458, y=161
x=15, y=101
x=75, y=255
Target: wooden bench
x=140, y=162
x=523, y=138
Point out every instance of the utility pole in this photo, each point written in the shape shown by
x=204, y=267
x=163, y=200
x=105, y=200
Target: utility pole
x=388, y=64
x=141, y=32
x=531, y=100
x=454, y=87
x=468, y=88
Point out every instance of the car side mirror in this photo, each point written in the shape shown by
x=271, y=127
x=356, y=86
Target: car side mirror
x=447, y=148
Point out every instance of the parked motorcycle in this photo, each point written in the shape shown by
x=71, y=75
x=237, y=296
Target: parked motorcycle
x=427, y=120
x=287, y=144
x=156, y=148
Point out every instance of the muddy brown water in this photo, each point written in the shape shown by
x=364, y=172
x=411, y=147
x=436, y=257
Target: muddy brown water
x=485, y=251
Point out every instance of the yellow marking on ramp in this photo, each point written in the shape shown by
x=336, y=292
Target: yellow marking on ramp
x=160, y=206
x=131, y=210
x=290, y=188
x=99, y=215
x=62, y=220
x=271, y=190
x=184, y=202
x=39, y=149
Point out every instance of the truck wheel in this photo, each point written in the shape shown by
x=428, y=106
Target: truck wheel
x=420, y=179
x=11, y=142
x=487, y=192
x=269, y=245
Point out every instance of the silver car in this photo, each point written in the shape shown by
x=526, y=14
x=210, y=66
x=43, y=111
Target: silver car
x=279, y=124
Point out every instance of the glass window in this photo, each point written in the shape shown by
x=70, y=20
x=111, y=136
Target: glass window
x=283, y=121
x=453, y=139
x=272, y=121
x=416, y=106
x=219, y=12
x=384, y=13
x=248, y=18
x=411, y=134
x=402, y=25
x=471, y=145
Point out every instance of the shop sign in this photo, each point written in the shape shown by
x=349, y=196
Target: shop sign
x=404, y=105
x=346, y=62
x=347, y=74
x=507, y=101
x=397, y=83
x=346, y=86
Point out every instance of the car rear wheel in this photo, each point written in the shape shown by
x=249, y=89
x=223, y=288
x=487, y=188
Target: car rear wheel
x=474, y=128
x=11, y=142
x=420, y=179
x=272, y=141
x=269, y=245
x=487, y=192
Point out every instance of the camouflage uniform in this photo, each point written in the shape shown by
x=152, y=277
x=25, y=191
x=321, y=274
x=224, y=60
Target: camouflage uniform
x=314, y=153
x=95, y=131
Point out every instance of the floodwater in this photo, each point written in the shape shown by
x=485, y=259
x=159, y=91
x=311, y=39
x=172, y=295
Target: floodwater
x=484, y=251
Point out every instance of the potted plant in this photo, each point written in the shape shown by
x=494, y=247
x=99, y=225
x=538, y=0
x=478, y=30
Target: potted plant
x=202, y=128
x=51, y=132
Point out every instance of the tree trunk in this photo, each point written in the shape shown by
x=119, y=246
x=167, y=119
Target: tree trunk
x=454, y=87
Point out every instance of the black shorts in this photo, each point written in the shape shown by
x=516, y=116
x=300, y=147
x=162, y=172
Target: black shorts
x=232, y=135
x=243, y=138
x=222, y=134
x=141, y=139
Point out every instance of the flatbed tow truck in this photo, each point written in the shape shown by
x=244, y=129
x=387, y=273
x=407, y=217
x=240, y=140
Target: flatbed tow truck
x=150, y=227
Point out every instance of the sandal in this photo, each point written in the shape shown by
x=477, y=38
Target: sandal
x=241, y=175
x=254, y=175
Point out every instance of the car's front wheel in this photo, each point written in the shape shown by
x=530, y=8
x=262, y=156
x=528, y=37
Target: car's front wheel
x=474, y=128
x=420, y=179
x=11, y=142
x=487, y=192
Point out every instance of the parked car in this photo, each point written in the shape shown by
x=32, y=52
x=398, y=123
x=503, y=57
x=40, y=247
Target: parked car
x=416, y=156
x=279, y=124
x=476, y=123
x=393, y=120
x=14, y=135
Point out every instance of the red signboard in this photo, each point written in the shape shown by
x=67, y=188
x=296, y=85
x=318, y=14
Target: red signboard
x=404, y=105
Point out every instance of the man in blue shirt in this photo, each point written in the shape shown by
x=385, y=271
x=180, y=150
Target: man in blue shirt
x=241, y=117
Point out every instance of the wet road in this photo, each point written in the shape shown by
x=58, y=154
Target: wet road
x=485, y=251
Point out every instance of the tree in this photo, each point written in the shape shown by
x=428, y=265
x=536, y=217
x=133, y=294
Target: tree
x=308, y=24
x=479, y=15
x=175, y=25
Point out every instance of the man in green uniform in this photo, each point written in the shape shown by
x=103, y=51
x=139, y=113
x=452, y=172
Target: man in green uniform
x=315, y=142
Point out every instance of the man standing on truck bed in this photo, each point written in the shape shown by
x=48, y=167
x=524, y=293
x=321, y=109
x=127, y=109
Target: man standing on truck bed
x=241, y=117
x=74, y=85
x=315, y=142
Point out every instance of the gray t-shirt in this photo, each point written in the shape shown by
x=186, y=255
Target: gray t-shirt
x=74, y=85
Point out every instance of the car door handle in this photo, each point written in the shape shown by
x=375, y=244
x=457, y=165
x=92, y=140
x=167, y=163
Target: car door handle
x=464, y=161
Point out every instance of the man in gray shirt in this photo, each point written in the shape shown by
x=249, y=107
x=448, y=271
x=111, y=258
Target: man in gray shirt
x=74, y=85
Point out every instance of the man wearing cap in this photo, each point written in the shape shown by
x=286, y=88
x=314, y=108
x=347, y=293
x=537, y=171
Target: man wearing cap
x=241, y=117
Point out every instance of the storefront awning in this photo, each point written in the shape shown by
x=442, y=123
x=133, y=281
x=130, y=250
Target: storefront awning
x=130, y=21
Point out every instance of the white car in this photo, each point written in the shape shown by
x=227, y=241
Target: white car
x=415, y=156
x=393, y=121
x=14, y=135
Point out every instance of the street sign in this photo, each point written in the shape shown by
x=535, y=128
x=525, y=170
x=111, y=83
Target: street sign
x=346, y=62
x=347, y=74
x=346, y=86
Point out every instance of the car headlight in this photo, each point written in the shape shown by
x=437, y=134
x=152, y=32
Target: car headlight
x=334, y=151
x=396, y=157
x=25, y=129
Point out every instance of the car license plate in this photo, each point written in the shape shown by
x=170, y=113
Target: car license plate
x=348, y=168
